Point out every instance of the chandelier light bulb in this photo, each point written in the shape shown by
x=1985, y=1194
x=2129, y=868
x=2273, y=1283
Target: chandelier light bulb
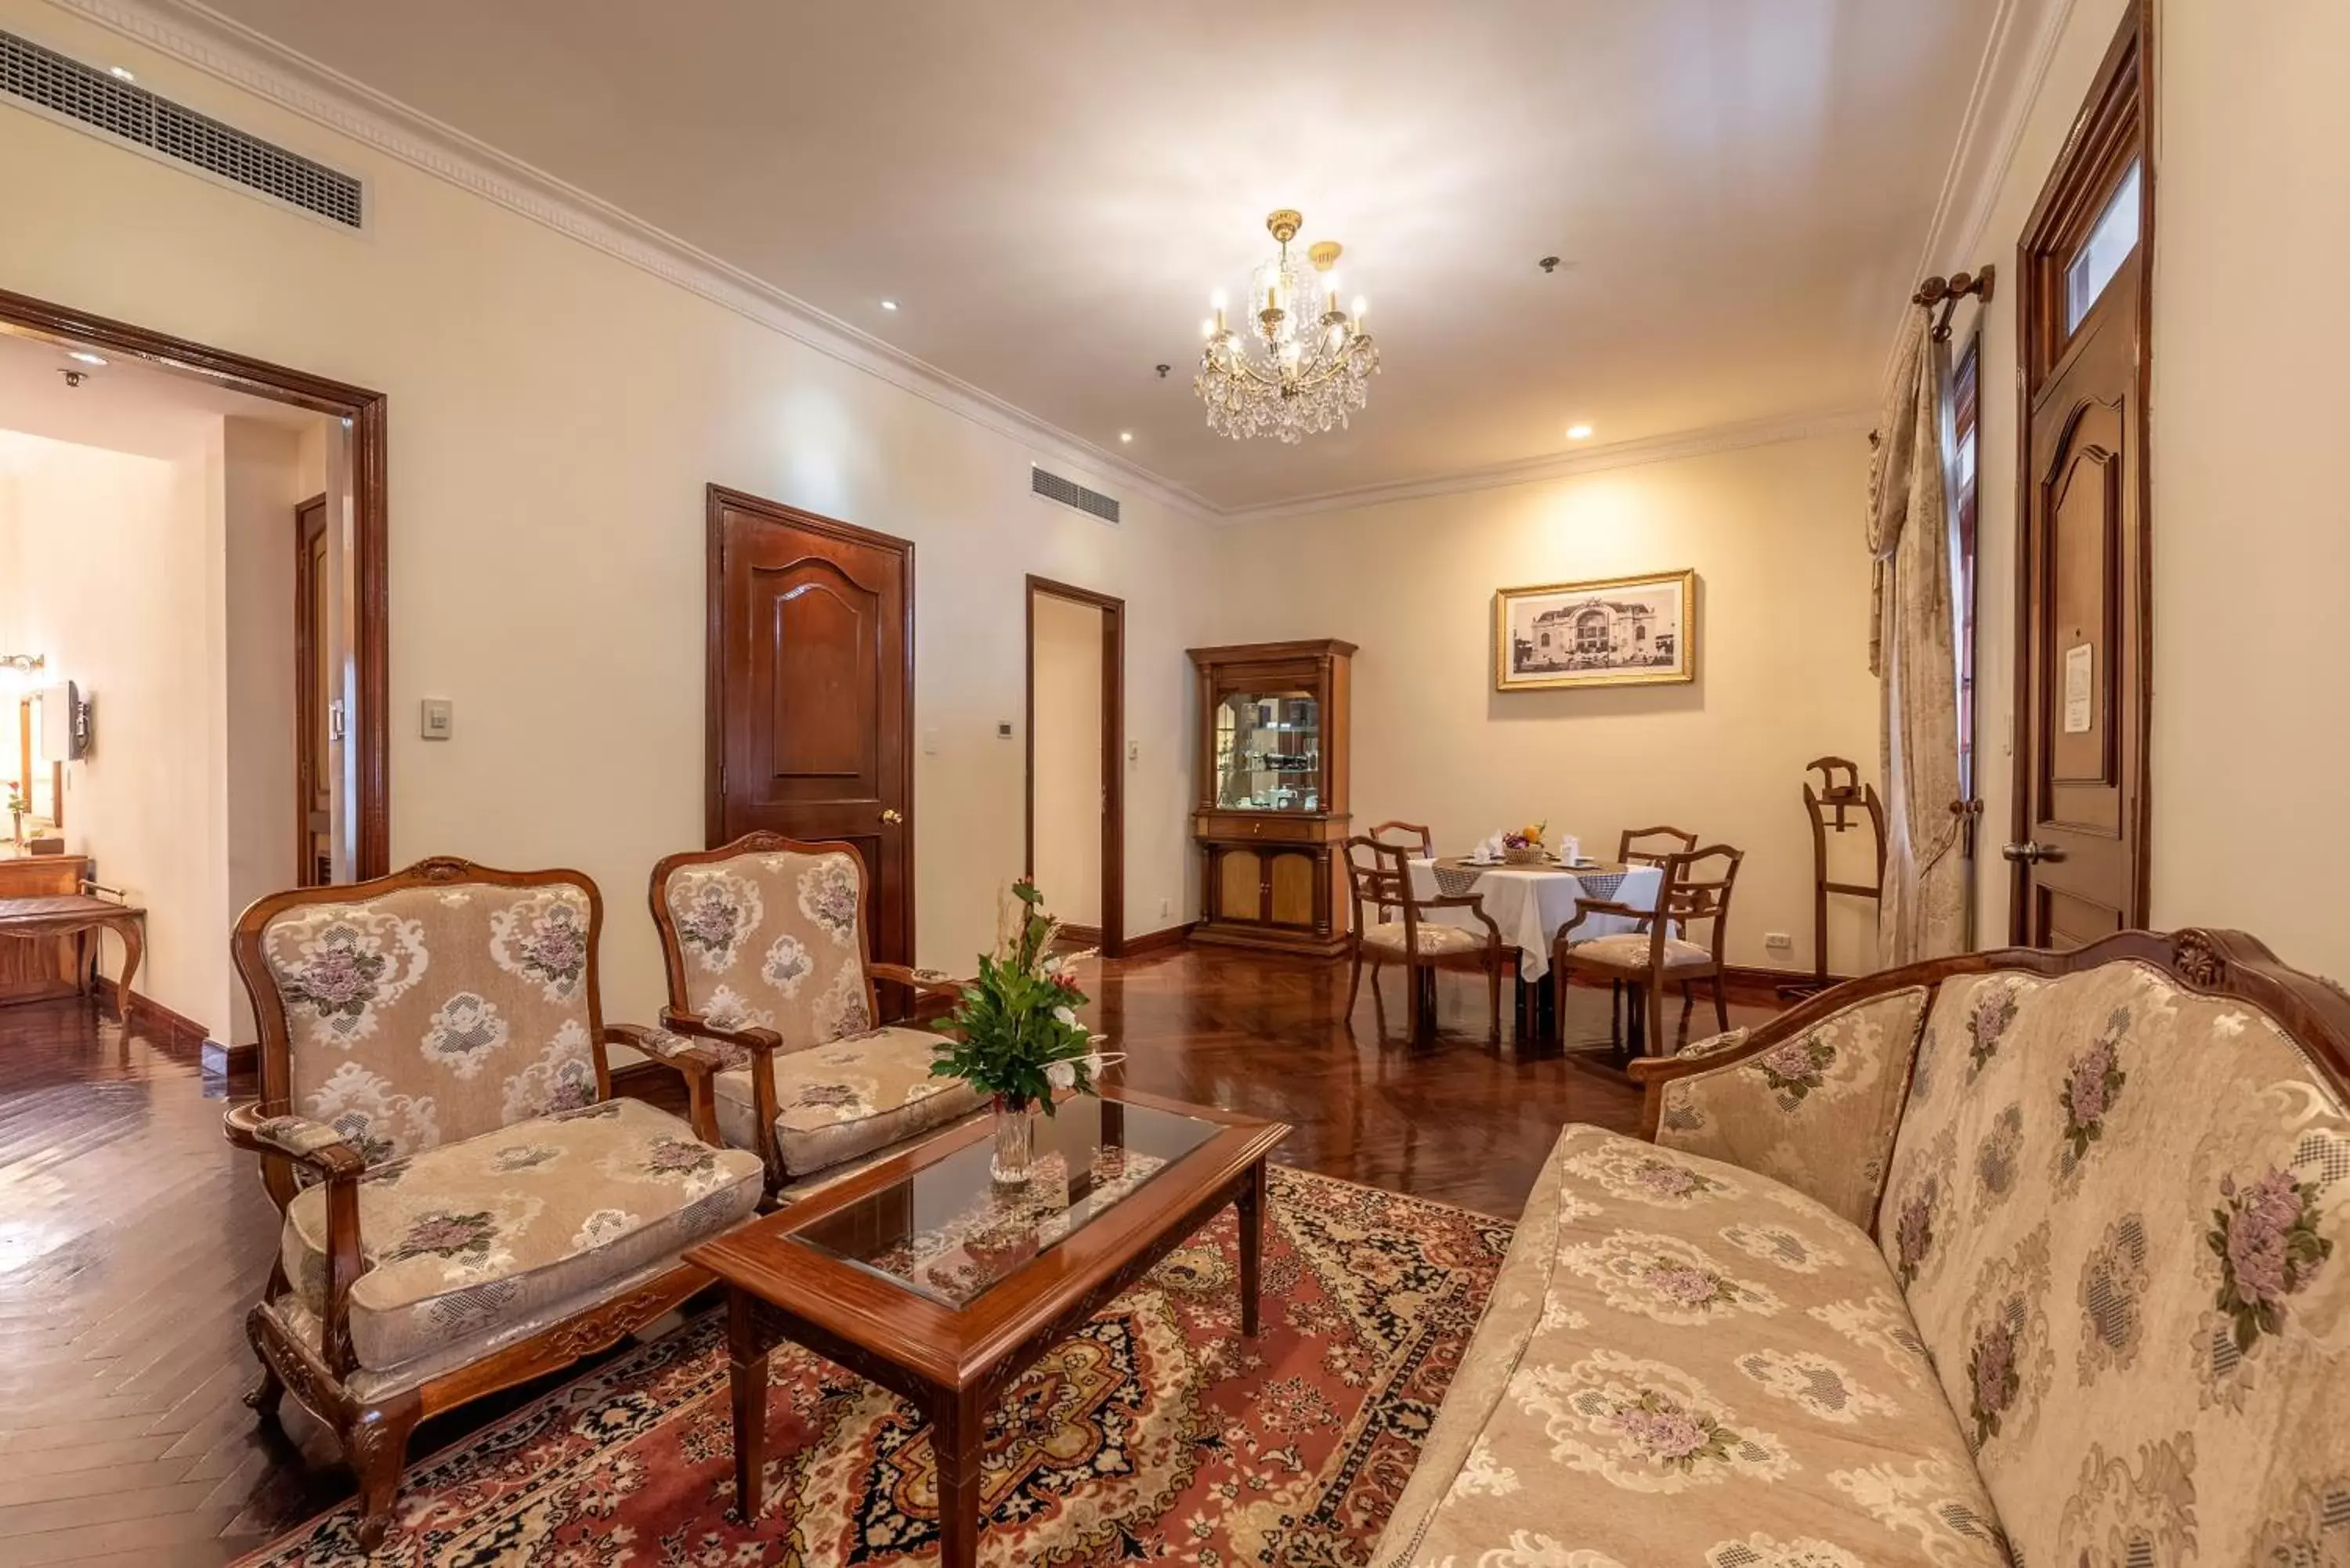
x=1294, y=365
x=1362, y=308
x=1218, y=300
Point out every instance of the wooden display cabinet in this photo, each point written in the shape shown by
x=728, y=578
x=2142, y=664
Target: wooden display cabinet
x=1272, y=814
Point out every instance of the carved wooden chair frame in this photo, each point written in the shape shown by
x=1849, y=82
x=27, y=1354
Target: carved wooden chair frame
x=1386, y=884
x=1681, y=898
x=374, y=1433
x=930, y=992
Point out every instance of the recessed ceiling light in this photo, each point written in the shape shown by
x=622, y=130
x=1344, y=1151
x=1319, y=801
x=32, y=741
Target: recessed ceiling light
x=1126, y=435
x=1578, y=432
x=120, y=74
x=888, y=304
x=85, y=357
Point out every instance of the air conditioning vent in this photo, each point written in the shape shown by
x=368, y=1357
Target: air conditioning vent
x=1069, y=493
x=67, y=88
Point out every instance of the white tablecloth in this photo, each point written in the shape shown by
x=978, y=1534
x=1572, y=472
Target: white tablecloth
x=1530, y=903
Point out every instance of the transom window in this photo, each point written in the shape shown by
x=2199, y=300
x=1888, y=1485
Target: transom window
x=2111, y=240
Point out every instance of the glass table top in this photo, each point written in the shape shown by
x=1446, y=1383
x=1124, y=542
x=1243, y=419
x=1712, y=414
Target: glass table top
x=947, y=1232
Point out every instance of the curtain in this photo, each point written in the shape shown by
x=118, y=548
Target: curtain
x=1913, y=652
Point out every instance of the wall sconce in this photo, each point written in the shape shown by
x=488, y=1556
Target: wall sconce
x=28, y=663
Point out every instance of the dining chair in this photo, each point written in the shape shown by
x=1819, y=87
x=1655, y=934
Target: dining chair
x=1660, y=949
x=1635, y=848
x=1380, y=877
x=1412, y=830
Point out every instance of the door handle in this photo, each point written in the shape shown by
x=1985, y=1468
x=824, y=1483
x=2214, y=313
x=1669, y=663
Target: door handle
x=2030, y=854
x=890, y=814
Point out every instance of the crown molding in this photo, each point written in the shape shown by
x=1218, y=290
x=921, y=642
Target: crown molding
x=2015, y=59
x=1701, y=442
x=226, y=50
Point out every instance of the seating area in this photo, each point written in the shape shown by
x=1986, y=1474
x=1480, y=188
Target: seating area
x=1533, y=785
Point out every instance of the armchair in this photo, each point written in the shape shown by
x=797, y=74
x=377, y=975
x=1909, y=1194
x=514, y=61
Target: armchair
x=764, y=941
x=1695, y=889
x=1379, y=876
x=466, y=1206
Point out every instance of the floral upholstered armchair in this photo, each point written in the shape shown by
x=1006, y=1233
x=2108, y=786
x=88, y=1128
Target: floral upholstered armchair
x=466, y=1206
x=768, y=945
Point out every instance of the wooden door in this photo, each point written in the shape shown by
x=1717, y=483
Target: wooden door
x=2084, y=639
x=811, y=699
x=314, y=778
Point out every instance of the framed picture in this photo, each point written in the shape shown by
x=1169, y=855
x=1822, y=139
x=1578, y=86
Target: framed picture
x=1615, y=631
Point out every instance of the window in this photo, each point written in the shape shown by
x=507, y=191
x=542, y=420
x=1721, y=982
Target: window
x=2101, y=255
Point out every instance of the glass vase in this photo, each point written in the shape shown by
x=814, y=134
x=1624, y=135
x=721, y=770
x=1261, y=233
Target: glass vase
x=1016, y=1143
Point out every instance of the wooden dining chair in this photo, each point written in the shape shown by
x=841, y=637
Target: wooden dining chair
x=1650, y=845
x=1661, y=948
x=1407, y=830
x=1380, y=877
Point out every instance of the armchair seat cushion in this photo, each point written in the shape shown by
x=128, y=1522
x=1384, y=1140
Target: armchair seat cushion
x=851, y=1097
x=467, y=1237
x=1629, y=949
x=1388, y=937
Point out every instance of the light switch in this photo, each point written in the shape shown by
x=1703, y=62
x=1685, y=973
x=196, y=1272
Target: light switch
x=440, y=718
x=930, y=742
x=1134, y=751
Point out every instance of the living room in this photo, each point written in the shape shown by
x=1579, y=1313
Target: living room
x=724, y=452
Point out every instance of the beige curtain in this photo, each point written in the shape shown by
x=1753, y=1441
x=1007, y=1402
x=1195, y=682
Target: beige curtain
x=1913, y=652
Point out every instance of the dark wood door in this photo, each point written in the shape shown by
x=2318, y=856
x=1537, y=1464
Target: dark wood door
x=314, y=682
x=2083, y=650
x=811, y=701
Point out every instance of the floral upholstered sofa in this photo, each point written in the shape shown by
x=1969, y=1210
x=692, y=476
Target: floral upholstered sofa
x=2013, y=1258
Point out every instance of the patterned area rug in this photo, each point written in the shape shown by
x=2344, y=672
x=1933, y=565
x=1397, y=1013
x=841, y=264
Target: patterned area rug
x=1157, y=1432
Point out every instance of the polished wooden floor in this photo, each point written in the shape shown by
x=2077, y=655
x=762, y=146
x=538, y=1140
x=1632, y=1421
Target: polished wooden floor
x=132, y=1240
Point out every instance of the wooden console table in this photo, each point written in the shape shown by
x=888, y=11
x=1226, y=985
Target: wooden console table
x=58, y=915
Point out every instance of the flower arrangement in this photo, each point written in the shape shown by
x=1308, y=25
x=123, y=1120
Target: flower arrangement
x=1524, y=845
x=1014, y=1034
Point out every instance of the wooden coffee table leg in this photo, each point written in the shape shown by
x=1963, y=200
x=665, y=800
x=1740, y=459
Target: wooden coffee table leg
x=958, y=1433
x=1248, y=1203
x=747, y=1348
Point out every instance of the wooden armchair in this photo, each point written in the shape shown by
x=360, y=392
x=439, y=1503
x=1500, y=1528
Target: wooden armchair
x=765, y=944
x=1660, y=949
x=1403, y=831
x=1380, y=877
x=466, y=1206
x=1653, y=846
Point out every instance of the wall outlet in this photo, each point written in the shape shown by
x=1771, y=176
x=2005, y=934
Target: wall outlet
x=440, y=718
x=1779, y=941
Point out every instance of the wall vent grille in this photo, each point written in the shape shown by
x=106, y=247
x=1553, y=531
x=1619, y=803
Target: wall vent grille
x=90, y=97
x=1069, y=493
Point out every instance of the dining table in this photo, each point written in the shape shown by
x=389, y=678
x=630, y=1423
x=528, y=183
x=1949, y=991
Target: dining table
x=1531, y=904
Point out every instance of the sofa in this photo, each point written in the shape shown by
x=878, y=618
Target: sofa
x=2010, y=1258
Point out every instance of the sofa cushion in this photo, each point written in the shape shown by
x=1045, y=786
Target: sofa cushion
x=1818, y=1111
x=470, y=1236
x=2120, y=1210
x=1688, y=1363
x=851, y=1097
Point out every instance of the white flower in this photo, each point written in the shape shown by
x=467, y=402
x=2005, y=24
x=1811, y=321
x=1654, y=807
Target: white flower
x=1095, y=1063
x=1065, y=1016
x=1061, y=1074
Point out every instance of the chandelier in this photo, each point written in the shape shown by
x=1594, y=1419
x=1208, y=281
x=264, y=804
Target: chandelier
x=1302, y=365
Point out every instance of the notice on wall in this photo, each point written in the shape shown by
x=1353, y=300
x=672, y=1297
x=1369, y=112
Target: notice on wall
x=2078, y=665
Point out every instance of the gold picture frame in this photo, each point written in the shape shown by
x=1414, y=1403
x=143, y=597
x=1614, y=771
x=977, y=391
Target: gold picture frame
x=1608, y=631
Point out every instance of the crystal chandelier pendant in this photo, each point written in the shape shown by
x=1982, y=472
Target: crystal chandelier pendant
x=1294, y=364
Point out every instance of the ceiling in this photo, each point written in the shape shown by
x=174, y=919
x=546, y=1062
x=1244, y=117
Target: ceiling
x=1739, y=189
x=123, y=406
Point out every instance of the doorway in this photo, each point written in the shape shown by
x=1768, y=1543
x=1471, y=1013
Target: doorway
x=1076, y=758
x=810, y=693
x=2083, y=579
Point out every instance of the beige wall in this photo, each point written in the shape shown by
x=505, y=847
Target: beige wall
x=554, y=417
x=119, y=568
x=1068, y=706
x=1774, y=533
x=2251, y=526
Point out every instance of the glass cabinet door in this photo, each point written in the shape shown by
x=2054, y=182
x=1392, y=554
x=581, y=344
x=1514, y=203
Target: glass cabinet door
x=1269, y=751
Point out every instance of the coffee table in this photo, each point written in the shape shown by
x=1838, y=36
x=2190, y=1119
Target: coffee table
x=925, y=1276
